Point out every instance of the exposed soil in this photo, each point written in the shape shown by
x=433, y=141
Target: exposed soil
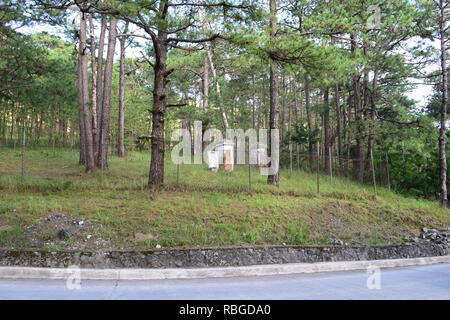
x=63, y=230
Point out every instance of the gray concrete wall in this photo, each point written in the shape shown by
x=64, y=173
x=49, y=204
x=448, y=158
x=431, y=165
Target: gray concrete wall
x=212, y=257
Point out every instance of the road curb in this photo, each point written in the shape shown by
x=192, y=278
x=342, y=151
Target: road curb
x=216, y=272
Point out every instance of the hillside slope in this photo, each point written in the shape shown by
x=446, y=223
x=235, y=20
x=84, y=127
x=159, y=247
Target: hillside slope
x=203, y=209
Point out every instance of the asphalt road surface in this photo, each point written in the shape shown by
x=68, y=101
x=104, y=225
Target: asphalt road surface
x=421, y=282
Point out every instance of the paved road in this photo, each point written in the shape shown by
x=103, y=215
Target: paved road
x=422, y=282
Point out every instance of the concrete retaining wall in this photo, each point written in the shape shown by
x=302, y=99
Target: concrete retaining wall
x=211, y=257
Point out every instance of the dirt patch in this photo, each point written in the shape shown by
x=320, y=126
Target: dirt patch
x=139, y=237
x=5, y=228
x=63, y=230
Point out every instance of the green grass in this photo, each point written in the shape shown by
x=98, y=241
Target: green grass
x=205, y=208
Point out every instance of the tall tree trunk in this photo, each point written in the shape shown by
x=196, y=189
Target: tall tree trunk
x=99, y=77
x=205, y=83
x=102, y=161
x=156, y=176
x=274, y=108
x=3, y=121
x=218, y=89
x=310, y=124
x=367, y=113
x=348, y=142
x=444, y=106
x=86, y=115
x=13, y=119
x=326, y=131
x=289, y=128
x=372, y=110
x=253, y=103
x=94, y=83
x=82, y=160
x=298, y=116
x=121, y=124
x=283, y=110
x=358, y=118
x=63, y=125
x=338, y=122
x=360, y=163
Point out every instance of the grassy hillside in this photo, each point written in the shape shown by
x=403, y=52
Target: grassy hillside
x=204, y=209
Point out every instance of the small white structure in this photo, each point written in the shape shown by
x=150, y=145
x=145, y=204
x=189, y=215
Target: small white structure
x=221, y=153
x=212, y=158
